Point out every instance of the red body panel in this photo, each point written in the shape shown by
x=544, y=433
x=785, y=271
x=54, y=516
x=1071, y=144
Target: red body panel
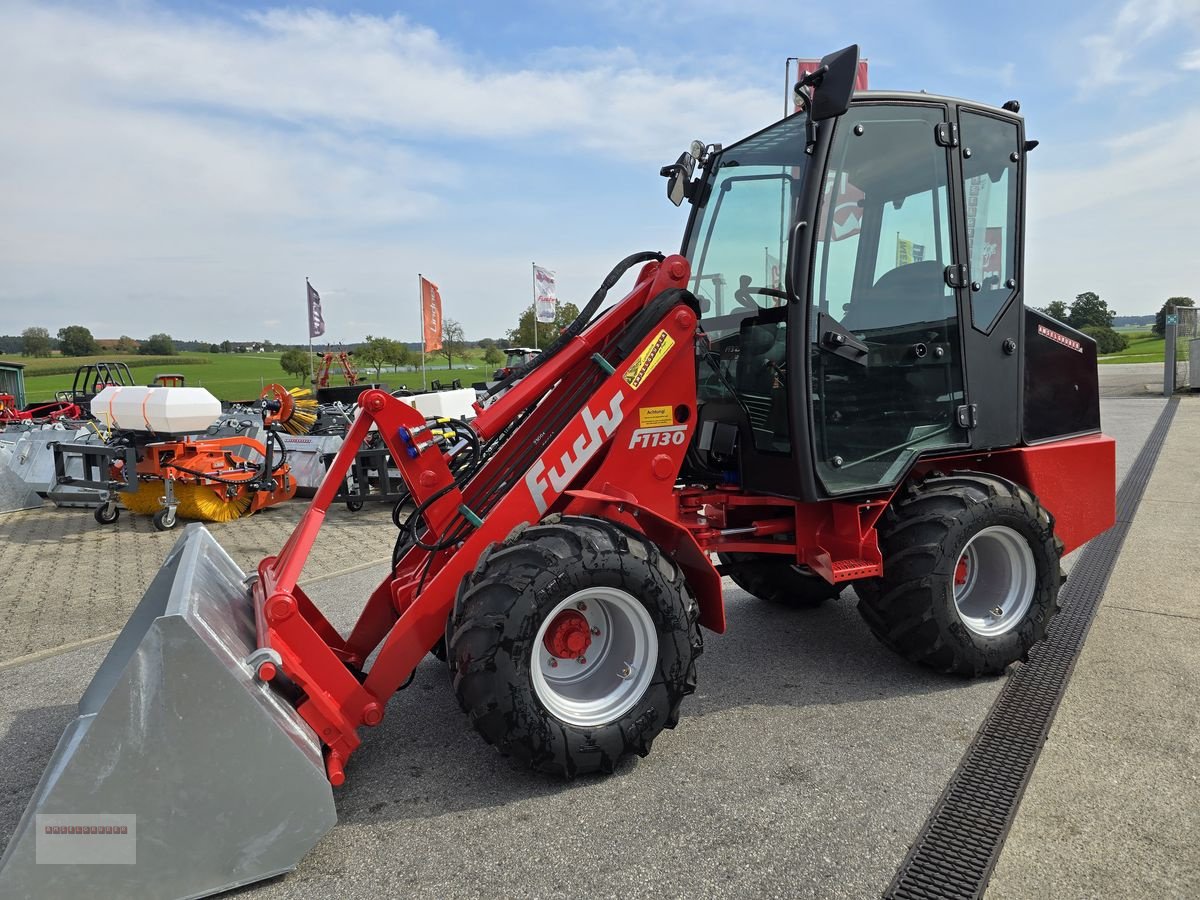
x=1075, y=479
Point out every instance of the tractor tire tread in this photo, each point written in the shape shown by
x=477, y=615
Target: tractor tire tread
x=492, y=617
x=907, y=608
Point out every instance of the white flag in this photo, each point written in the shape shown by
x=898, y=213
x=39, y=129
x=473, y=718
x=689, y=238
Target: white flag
x=545, y=299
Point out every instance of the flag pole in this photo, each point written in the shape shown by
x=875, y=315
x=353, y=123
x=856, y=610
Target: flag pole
x=312, y=377
x=421, y=304
x=533, y=282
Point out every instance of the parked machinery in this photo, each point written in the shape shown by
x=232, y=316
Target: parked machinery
x=164, y=456
x=888, y=417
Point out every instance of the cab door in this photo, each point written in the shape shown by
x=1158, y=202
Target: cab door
x=989, y=169
x=884, y=338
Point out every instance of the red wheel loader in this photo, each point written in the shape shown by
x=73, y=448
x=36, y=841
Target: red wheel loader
x=886, y=415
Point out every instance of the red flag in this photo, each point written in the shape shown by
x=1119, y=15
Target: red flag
x=431, y=315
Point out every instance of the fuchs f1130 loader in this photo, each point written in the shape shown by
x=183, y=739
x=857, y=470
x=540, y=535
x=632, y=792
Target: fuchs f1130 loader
x=885, y=415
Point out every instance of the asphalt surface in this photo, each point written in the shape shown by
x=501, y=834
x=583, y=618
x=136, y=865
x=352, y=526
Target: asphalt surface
x=804, y=767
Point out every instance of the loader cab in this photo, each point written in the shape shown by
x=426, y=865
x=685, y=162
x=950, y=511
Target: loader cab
x=859, y=280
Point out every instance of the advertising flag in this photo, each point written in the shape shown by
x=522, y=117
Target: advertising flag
x=316, y=321
x=431, y=315
x=544, y=297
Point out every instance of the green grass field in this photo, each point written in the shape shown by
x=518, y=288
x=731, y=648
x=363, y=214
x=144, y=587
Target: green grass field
x=232, y=376
x=1144, y=347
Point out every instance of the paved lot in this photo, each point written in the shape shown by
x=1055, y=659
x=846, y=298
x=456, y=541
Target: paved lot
x=1113, y=807
x=1131, y=380
x=67, y=579
x=803, y=768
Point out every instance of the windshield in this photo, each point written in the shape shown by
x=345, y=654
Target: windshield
x=738, y=247
x=738, y=240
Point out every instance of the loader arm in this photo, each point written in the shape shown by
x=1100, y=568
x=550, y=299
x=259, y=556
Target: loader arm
x=548, y=434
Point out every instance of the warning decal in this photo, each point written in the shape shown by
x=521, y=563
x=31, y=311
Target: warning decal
x=651, y=416
x=648, y=359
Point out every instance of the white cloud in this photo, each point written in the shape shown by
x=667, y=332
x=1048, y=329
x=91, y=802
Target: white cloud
x=1124, y=225
x=168, y=172
x=1137, y=23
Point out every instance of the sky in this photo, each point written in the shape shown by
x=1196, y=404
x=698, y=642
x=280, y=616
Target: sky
x=183, y=167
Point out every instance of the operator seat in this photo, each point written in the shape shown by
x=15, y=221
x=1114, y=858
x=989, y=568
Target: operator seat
x=902, y=296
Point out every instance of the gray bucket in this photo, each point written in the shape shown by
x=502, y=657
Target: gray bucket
x=216, y=778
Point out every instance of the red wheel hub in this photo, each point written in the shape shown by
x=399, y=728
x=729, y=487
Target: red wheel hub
x=960, y=572
x=568, y=636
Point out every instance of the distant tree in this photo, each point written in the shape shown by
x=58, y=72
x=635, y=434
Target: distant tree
x=1107, y=340
x=1160, y=318
x=295, y=362
x=126, y=344
x=268, y=346
x=1089, y=309
x=35, y=341
x=486, y=343
x=452, y=341
x=377, y=352
x=76, y=340
x=214, y=348
x=493, y=355
x=522, y=335
x=226, y=347
x=402, y=355
x=1056, y=309
x=158, y=345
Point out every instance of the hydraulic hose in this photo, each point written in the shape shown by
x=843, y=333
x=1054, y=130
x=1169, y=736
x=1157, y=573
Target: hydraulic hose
x=581, y=321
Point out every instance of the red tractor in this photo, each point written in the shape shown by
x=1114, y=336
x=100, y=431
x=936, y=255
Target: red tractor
x=889, y=417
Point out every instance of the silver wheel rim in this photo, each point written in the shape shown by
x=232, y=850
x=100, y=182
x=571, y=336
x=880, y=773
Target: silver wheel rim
x=612, y=673
x=995, y=578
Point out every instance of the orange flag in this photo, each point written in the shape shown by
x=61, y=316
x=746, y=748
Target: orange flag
x=431, y=315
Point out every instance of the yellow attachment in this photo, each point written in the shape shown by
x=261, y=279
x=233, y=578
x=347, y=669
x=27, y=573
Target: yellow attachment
x=304, y=415
x=197, y=502
x=202, y=503
x=147, y=500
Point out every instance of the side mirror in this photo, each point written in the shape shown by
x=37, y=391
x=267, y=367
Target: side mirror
x=833, y=83
x=679, y=176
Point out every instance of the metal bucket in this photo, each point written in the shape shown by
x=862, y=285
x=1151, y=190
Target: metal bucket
x=216, y=778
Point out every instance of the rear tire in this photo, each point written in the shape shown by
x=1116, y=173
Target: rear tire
x=622, y=607
x=774, y=578
x=970, y=574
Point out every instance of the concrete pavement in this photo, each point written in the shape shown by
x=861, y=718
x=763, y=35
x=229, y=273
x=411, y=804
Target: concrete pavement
x=804, y=767
x=1113, y=807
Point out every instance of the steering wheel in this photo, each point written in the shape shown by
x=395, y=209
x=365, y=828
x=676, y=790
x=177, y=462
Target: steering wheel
x=742, y=295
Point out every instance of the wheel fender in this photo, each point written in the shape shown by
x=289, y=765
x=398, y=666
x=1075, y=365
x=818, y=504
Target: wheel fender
x=671, y=537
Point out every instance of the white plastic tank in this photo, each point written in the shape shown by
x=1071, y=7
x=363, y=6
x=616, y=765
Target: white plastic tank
x=162, y=410
x=452, y=404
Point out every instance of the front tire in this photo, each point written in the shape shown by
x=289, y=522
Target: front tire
x=106, y=513
x=772, y=577
x=572, y=645
x=970, y=574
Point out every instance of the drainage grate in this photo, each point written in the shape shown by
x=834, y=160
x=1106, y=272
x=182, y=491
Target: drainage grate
x=955, y=853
